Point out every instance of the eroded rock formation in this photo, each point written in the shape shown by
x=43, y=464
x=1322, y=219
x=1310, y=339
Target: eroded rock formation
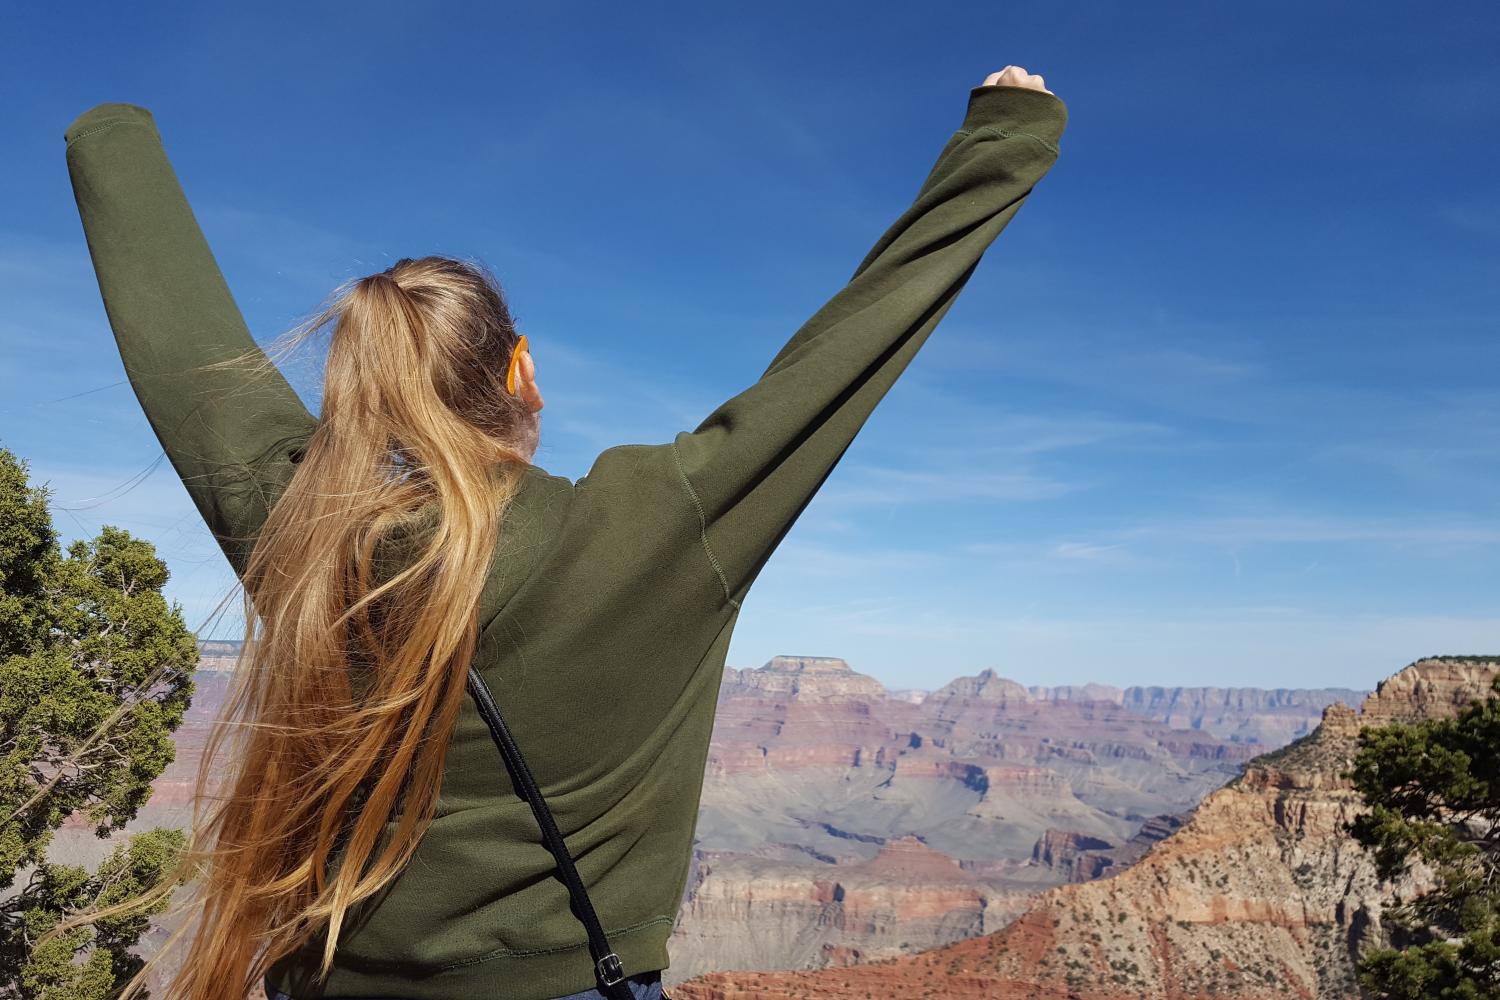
x=814, y=773
x=1261, y=895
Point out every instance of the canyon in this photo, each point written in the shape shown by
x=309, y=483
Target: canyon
x=1260, y=894
x=840, y=823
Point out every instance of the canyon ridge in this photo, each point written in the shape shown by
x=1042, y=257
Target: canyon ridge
x=1261, y=894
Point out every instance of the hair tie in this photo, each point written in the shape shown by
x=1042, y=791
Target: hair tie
x=515, y=365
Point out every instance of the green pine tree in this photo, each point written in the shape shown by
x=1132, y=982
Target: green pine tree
x=1433, y=788
x=95, y=674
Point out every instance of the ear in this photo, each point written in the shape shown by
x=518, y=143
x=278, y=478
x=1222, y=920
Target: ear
x=526, y=379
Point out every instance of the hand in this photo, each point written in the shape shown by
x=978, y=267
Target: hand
x=1016, y=76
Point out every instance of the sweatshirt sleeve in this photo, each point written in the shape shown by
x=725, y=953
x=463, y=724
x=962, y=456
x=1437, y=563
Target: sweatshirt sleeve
x=232, y=435
x=755, y=463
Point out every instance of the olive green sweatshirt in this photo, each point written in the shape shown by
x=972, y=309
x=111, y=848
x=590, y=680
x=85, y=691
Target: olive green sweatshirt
x=610, y=601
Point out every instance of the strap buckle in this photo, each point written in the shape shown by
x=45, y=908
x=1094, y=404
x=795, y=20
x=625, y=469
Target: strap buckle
x=610, y=970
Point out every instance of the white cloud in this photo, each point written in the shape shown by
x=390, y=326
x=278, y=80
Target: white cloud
x=811, y=559
x=1052, y=556
x=866, y=484
x=1295, y=528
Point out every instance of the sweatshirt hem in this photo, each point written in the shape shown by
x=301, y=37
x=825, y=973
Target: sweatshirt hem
x=1007, y=133
x=103, y=117
x=541, y=974
x=1034, y=113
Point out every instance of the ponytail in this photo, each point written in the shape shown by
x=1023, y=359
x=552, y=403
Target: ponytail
x=361, y=600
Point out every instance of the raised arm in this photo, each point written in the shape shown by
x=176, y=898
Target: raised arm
x=228, y=433
x=757, y=460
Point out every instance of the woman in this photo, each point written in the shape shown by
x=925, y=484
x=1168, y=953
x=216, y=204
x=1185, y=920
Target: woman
x=367, y=840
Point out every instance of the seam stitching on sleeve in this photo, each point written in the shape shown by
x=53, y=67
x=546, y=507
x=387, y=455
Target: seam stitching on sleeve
x=997, y=130
x=104, y=126
x=702, y=523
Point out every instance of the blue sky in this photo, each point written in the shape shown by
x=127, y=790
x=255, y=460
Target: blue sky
x=1219, y=407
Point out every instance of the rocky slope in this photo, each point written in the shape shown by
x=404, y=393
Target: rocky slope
x=1270, y=717
x=816, y=772
x=1260, y=895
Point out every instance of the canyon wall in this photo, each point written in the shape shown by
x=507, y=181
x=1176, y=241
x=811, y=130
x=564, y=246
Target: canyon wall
x=818, y=778
x=1271, y=717
x=1261, y=894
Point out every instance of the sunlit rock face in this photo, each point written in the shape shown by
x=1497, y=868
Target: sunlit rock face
x=816, y=771
x=1261, y=894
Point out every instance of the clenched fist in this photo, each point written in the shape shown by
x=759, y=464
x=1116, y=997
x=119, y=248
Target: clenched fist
x=1016, y=76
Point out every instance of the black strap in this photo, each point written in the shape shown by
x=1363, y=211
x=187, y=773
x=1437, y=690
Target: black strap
x=607, y=968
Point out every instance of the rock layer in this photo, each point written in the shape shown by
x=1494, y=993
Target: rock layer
x=1261, y=895
x=815, y=772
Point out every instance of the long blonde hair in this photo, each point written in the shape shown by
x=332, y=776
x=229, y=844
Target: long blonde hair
x=353, y=667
